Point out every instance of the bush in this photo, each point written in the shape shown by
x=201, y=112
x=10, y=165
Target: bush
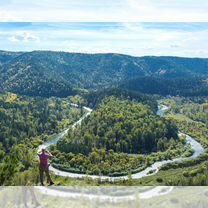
x=159, y=180
x=193, y=173
x=185, y=174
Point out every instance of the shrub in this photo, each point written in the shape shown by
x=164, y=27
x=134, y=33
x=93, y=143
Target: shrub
x=159, y=180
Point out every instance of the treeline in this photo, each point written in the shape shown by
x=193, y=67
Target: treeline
x=164, y=86
x=99, y=162
x=120, y=125
x=194, y=111
x=103, y=162
x=188, y=163
x=93, y=98
x=192, y=172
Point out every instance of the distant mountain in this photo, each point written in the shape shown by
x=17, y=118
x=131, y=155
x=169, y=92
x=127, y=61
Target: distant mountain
x=47, y=73
x=6, y=56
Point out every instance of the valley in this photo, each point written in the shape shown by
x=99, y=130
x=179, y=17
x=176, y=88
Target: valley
x=152, y=170
x=108, y=119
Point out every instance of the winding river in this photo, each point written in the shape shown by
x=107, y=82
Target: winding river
x=154, y=168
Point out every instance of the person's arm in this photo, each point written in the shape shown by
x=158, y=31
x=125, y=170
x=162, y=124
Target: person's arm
x=49, y=153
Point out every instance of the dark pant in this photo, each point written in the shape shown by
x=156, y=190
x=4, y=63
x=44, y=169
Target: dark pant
x=45, y=169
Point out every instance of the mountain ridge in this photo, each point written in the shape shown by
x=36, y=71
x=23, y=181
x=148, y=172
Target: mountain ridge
x=48, y=73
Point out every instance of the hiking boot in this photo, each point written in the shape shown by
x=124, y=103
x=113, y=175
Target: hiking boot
x=51, y=183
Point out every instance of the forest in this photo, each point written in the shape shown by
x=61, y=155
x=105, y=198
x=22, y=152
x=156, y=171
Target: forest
x=95, y=97
x=26, y=123
x=122, y=126
x=122, y=136
x=188, y=87
x=190, y=115
x=61, y=74
x=116, y=133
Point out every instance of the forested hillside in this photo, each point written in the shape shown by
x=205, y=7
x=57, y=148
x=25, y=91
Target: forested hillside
x=27, y=122
x=115, y=127
x=190, y=115
x=94, y=98
x=46, y=73
x=6, y=56
x=25, y=117
x=122, y=126
x=166, y=86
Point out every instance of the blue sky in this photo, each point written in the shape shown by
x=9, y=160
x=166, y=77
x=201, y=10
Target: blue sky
x=134, y=27
x=138, y=39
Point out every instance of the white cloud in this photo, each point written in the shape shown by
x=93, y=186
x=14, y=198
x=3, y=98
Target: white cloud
x=170, y=39
x=27, y=36
x=13, y=39
x=108, y=10
x=23, y=36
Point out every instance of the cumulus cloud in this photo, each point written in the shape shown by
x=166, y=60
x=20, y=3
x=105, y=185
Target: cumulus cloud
x=23, y=36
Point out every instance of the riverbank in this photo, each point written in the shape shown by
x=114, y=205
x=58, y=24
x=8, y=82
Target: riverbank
x=149, y=171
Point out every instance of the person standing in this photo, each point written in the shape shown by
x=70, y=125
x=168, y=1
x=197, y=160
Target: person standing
x=44, y=155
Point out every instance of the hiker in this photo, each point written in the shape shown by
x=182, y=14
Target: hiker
x=44, y=155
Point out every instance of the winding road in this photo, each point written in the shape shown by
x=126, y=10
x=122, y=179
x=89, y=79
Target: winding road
x=154, y=168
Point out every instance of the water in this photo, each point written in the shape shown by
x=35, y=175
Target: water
x=198, y=150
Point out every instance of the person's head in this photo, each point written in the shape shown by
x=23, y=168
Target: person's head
x=43, y=150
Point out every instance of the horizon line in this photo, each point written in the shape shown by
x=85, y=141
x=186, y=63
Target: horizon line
x=103, y=53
